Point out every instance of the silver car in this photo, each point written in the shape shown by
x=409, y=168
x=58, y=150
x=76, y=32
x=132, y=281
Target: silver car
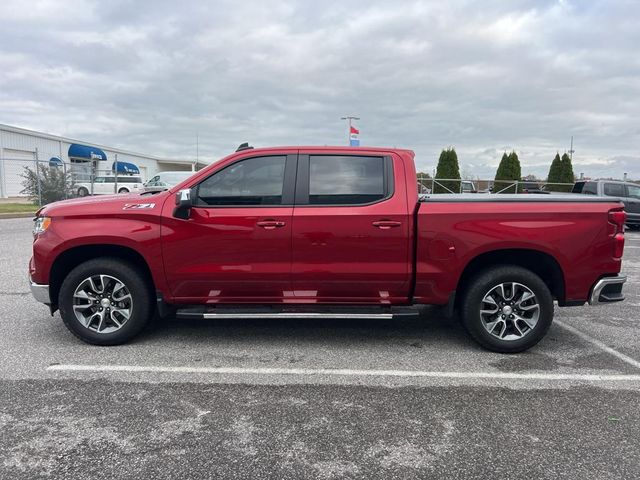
x=165, y=180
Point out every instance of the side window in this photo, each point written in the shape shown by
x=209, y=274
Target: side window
x=614, y=189
x=345, y=180
x=633, y=191
x=254, y=181
x=590, y=188
x=99, y=180
x=154, y=180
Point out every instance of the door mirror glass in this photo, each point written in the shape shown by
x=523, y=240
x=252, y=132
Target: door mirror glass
x=183, y=204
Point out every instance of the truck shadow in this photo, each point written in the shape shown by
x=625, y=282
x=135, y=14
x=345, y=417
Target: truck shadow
x=429, y=328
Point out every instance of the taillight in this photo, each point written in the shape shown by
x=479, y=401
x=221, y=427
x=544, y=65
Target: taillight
x=617, y=219
x=618, y=245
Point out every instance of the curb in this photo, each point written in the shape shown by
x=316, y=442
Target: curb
x=18, y=215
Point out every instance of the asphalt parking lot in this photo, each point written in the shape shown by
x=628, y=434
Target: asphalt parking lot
x=316, y=399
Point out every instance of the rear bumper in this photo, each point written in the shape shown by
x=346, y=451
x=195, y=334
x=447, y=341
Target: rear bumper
x=40, y=292
x=607, y=290
x=633, y=219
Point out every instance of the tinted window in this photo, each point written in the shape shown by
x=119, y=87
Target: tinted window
x=129, y=180
x=633, y=191
x=345, y=180
x=614, y=189
x=254, y=181
x=590, y=188
x=577, y=187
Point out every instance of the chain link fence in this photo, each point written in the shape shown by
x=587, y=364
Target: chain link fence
x=36, y=181
x=430, y=185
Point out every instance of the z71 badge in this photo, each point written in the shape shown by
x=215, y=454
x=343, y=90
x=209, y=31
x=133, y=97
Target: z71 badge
x=138, y=206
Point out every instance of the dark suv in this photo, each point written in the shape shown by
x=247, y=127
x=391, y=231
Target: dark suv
x=627, y=192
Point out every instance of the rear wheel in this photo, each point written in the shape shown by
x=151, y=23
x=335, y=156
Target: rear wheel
x=123, y=190
x=105, y=301
x=507, y=309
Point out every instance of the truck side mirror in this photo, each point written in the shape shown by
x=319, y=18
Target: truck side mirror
x=183, y=204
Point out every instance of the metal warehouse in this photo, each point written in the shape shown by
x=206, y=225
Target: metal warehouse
x=20, y=148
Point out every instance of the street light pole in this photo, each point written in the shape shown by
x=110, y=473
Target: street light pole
x=350, y=118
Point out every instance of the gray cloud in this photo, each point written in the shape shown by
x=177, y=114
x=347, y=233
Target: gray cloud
x=481, y=76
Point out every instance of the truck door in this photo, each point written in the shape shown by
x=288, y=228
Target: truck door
x=236, y=245
x=350, y=229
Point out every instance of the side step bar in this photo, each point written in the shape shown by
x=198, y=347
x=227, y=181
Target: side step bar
x=200, y=312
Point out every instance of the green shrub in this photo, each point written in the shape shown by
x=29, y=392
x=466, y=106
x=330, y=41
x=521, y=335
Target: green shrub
x=49, y=184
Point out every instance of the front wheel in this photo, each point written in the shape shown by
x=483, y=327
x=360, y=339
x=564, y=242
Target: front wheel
x=83, y=192
x=507, y=309
x=105, y=301
x=123, y=190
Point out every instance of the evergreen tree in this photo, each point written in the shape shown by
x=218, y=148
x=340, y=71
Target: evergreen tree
x=554, y=176
x=566, y=170
x=561, y=171
x=448, y=169
x=508, y=172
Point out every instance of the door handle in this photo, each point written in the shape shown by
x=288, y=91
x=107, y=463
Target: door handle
x=386, y=224
x=270, y=224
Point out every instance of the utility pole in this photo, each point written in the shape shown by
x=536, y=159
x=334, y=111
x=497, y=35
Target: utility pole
x=350, y=118
x=571, y=150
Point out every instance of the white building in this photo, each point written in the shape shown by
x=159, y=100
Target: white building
x=21, y=148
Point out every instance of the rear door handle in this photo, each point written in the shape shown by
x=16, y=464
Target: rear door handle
x=270, y=224
x=386, y=224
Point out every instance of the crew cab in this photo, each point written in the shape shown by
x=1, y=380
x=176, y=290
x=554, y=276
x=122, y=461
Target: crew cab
x=324, y=231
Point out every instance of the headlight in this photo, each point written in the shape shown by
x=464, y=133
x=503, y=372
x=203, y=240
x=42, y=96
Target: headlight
x=40, y=224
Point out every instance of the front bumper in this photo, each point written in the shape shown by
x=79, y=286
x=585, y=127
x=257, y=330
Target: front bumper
x=607, y=290
x=40, y=292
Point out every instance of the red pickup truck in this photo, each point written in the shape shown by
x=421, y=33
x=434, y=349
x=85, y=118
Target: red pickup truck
x=324, y=232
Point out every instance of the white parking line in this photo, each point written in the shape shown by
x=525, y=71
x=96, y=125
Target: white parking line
x=626, y=359
x=343, y=372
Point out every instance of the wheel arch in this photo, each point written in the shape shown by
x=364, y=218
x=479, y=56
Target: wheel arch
x=74, y=256
x=541, y=263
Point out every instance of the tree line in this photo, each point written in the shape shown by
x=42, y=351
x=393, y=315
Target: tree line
x=509, y=171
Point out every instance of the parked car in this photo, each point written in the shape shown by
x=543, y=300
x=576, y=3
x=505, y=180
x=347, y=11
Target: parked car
x=165, y=180
x=324, y=231
x=531, y=187
x=468, y=186
x=107, y=185
x=627, y=192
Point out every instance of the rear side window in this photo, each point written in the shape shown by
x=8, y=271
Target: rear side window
x=346, y=180
x=590, y=188
x=254, y=181
x=577, y=187
x=633, y=191
x=614, y=189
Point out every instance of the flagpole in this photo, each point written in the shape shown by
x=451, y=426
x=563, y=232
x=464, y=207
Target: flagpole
x=350, y=118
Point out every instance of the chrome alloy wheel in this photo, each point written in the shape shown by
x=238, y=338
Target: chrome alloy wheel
x=509, y=311
x=102, y=303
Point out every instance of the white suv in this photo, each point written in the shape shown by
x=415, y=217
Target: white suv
x=107, y=185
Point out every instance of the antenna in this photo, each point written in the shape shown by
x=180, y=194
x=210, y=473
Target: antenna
x=571, y=150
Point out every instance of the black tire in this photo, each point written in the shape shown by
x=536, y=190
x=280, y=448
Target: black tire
x=123, y=190
x=83, y=192
x=136, y=284
x=472, y=303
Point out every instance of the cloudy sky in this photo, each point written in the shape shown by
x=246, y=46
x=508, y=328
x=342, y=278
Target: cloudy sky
x=484, y=77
